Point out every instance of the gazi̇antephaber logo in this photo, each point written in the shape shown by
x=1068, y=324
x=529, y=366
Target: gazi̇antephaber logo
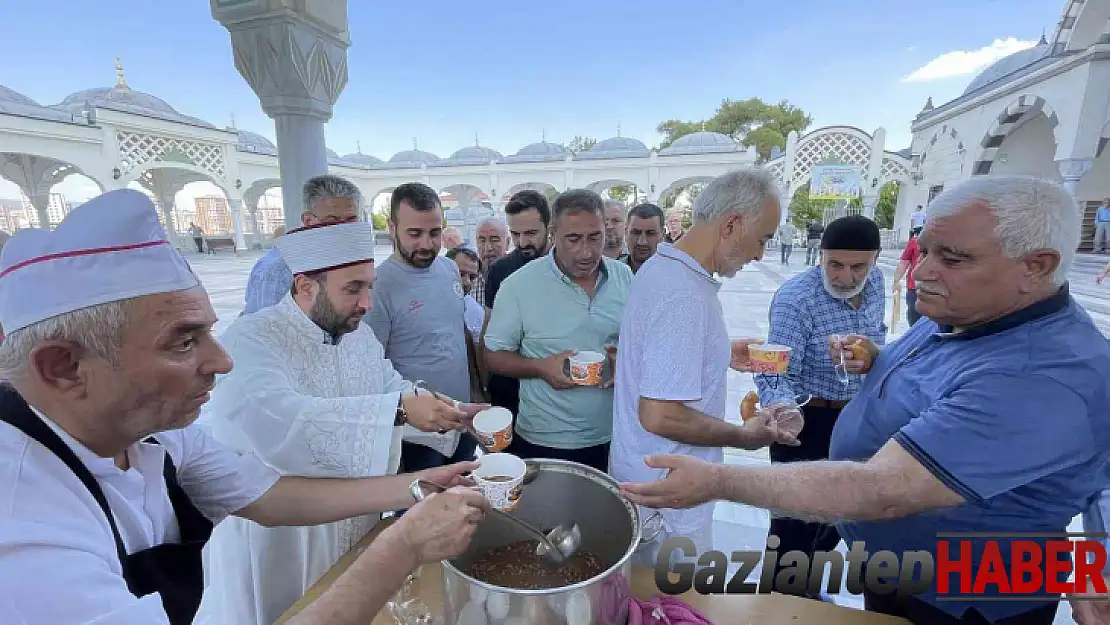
x=1022, y=566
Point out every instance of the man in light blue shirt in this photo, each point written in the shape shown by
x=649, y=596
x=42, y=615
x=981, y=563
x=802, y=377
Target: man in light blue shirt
x=1102, y=226
x=327, y=200
x=571, y=300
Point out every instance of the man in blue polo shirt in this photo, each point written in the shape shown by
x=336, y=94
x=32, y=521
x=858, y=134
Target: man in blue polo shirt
x=991, y=415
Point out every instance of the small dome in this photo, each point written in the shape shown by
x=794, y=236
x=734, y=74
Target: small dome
x=413, y=158
x=10, y=95
x=476, y=153
x=542, y=151
x=702, y=143
x=365, y=160
x=1008, y=65
x=123, y=98
x=253, y=142
x=616, y=147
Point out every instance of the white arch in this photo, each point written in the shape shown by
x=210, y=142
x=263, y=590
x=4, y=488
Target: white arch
x=134, y=174
x=1019, y=110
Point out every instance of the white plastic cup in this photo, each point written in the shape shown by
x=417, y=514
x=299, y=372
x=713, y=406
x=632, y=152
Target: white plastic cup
x=504, y=492
x=494, y=427
x=585, y=368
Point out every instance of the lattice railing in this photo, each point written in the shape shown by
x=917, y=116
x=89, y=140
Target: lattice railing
x=137, y=149
x=893, y=169
x=840, y=147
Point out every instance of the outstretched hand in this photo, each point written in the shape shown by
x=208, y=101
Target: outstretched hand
x=689, y=482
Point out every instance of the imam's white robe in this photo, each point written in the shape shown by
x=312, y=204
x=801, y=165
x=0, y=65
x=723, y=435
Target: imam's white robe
x=306, y=407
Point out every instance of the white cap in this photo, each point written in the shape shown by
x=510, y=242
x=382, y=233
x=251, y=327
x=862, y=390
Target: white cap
x=109, y=249
x=326, y=247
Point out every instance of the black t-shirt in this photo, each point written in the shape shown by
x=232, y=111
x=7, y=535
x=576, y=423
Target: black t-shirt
x=503, y=392
x=815, y=230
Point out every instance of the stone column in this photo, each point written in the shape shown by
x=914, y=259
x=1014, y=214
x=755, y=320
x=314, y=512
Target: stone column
x=1073, y=170
x=167, y=200
x=235, y=207
x=869, y=204
x=41, y=202
x=293, y=54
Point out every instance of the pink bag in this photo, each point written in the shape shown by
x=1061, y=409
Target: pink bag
x=663, y=610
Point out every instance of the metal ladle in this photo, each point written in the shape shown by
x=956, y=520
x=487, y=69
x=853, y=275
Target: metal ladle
x=556, y=546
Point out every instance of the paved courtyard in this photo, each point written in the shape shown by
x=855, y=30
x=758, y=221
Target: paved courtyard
x=746, y=299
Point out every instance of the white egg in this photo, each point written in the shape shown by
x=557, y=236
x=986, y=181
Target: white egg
x=579, y=611
x=498, y=605
x=478, y=594
x=535, y=611
x=472, y=614
x=558, y=604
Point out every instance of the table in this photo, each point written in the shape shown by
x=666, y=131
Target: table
x=764, y=609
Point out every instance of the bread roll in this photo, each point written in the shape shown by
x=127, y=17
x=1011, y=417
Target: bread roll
x=749, y=405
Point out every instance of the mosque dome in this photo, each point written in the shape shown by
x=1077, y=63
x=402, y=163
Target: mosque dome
x=542, y=151
x=13, y=102
x=253, y=142
x=364, y=160
x=413, y=158
x=1009, y=66
x=702, y=143
x=616, y=147
x=12, y=96
x=123, y=98
x=475, y=155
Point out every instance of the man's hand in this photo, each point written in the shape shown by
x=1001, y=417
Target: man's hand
x=741, y=360
x=441, y=526
x=780, y=423
x=553, y=370
x=470, y=410
x=1096, y=612
x=690, y=482
x=429, y=413
x=611, y=357
x=1100, y=278
x=448, y=475
x=895, y=286
x=853, y=362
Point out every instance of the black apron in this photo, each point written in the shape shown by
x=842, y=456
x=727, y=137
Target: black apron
x=174, y=570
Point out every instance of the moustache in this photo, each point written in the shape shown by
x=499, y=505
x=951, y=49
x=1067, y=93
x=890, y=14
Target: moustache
x=930, y=290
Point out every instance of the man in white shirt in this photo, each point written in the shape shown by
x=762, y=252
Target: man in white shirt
x=671, y=373
x=312, y=395
x=108, y=492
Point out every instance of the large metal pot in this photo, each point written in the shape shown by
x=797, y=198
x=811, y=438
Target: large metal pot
x=561, y=493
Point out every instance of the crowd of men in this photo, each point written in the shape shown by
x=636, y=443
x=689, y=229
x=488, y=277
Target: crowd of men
x=354, y=375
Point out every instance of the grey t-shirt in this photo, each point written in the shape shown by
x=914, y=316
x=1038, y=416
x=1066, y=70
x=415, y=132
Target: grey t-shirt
x=417, y=315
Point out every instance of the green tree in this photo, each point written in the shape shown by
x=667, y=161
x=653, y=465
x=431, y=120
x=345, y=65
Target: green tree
x=888, y=205
x=752, y=122
x=380, y=221
x=620, y=193
x=581, y=144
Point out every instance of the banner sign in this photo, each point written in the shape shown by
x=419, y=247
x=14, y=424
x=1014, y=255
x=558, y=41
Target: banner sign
x=836, y=182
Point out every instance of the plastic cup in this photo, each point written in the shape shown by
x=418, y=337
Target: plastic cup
x=501, y=478
x=585, y=368
x=769, y=359
x=494, y=427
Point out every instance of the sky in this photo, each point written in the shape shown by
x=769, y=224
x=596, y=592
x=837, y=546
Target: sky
x=444, y=73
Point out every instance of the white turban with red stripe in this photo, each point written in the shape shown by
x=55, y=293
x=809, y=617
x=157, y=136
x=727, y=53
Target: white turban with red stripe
x=109, y=249
x=325, y=247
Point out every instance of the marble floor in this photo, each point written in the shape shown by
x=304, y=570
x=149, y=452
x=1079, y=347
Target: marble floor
x=746, y=299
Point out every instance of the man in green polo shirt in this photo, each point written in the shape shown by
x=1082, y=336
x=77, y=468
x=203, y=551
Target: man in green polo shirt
x=571, y=300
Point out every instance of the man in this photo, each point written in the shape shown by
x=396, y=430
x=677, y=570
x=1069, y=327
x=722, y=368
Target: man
x=910, y=257
x=418, y=315
x=1095, y=521
x=326, y=200
x=645, y=232
x=110, y=491
x=529, y=219
x=493, y=241
x=814, y=231
x=842, y=296
x=311, y=395
x=674, y=348
x=571, y=300
x=917, y=218
x=475, y=314
x=197, y=233
x=948, y=431
x=614, y=231
x=1102, y=226
x=452, y=238
x=674, y=228
x=787, y=234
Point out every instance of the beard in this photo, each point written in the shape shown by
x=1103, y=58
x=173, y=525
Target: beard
x=840, y=292
x=332, y=321
x=613, y=240
x=419, y=258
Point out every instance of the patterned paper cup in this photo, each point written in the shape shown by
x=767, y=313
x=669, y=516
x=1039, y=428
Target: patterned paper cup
x=770, y=359
x=585, y=368
x=501, y=478
x=494, y=427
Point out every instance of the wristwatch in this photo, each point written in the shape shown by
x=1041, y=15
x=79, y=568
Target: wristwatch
x=402, y=416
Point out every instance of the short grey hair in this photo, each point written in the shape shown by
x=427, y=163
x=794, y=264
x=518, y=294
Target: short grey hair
x=1032, y=213
x=494, y=221
x=744, y=191
x=329, y=186
x=611, y=203
x=98, y=329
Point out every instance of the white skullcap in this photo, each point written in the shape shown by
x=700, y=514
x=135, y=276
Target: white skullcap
x=109, y=249
x=327, y=246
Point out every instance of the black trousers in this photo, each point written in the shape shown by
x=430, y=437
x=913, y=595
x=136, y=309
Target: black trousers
x=596, y=456
x=920, y=612
x=793, y=534
x=911, y=306
x=418, y=457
